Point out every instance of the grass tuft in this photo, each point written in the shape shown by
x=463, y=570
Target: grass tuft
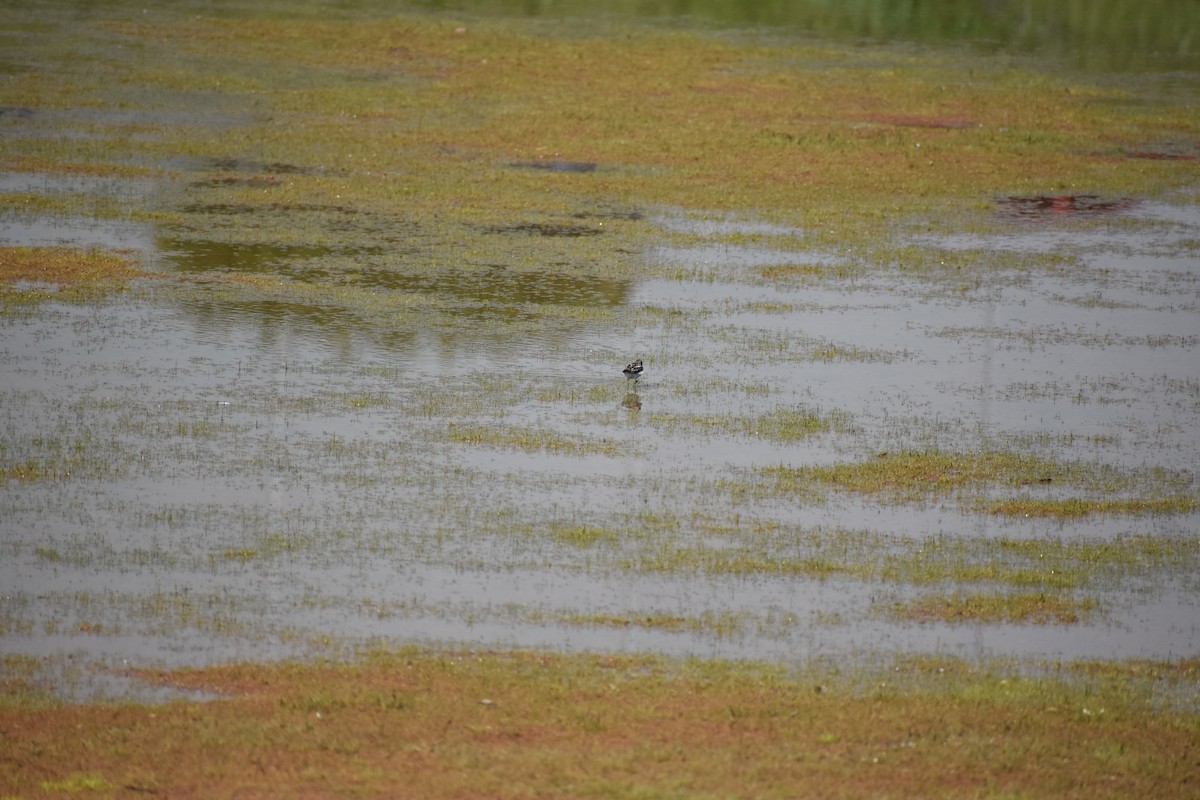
x=983, y=607
x=32, y=273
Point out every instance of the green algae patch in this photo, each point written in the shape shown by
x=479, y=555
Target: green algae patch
x=521, y=724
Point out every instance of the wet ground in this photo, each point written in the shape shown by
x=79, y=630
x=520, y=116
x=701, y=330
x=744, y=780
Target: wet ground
x=453, y=456
x=248, y=482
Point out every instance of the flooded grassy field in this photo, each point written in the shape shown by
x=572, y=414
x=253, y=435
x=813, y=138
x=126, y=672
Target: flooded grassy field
x=312, y=325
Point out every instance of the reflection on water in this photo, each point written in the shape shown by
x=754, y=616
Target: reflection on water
x=499, y=285
x=493, y=284
x=268, y=314
x=71, y=231
x=557, y=165
x=464, y=298
x=227, y=164
x=545, y=229
x=1043, y=207
x=257, y=258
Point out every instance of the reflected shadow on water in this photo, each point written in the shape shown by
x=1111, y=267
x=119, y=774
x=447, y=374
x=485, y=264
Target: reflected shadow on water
x=490, y=284
x=1043, y=207
x=287, y=260
x=497, y=284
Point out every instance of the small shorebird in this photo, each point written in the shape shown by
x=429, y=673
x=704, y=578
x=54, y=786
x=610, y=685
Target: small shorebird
x=633, y=371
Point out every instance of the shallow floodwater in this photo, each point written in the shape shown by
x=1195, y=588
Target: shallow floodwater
x=243, y=484
x=226, y=473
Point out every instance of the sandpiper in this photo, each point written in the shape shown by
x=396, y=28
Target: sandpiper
x=633, y=371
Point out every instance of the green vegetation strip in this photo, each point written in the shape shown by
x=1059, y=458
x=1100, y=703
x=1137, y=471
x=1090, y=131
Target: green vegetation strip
x=918, y=476
x=423, y=724
x=530, y=440
x=785, y=425
x=1042, y=563
x=440, y=127
x=1025, y=607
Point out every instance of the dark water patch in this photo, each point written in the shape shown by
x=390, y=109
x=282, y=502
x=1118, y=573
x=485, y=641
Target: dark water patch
x=218, y=164
x=949, y=122
x=222, y=209
x=238, y=209
x=1046, y=207
x=224, y=182
x=243, y=172
x=556, y=165
x=496, y=285
x=1160, y=155
x=626, y=215
x=544, y=229
x=15, y=112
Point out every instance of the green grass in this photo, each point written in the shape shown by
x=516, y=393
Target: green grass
x=706, y=561
x=1074, y=507
x=720, y=624
x=531, y=440
x=972, y=479
x=33, y=274
x=721, y=124
x=447, y=724
x=784, y=424
x=1044, y=564
x=990, y=607
x=917, y=475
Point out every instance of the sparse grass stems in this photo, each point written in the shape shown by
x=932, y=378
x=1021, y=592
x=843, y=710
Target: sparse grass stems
x=784, y=424
x=1045, y=564
x=1073, y=507
x=530, y=440
x=1037, y=608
